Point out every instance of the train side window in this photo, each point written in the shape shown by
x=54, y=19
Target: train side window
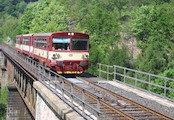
x=40, y=43
x=26, y=41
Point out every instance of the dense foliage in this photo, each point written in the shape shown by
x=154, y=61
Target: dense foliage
x=3, y=103
x=12, y=7
x=153, y=27
x=110, y=24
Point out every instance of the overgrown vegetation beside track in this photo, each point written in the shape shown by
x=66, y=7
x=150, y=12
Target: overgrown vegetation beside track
x=3, y=103
x=131, y=33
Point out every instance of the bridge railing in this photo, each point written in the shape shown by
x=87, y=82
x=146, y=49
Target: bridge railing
x=159, y=85
x=28, y=63
x=67, y=91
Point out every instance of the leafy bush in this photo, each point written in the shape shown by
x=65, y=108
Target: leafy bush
x=3, y=103
x=2, y=110
x=169, y=83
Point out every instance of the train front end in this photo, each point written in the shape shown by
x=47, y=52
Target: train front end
x=69, y=52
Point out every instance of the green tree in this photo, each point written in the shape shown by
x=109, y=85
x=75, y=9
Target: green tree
x=118, y=56
x=25, y=22
x=153, y=59
x=8, y=27
x=153, y=27
x=44, y=16
x=21, y=6
x=96, y=57
x=2, y=110
x=12, y=7
x=169, y=73
x=153, y=23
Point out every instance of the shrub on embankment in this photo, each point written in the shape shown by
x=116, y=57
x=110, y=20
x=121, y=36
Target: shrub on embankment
x=3, y=103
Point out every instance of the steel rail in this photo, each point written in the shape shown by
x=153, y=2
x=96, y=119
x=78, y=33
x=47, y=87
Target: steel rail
x=129, y=101
x=95, y=97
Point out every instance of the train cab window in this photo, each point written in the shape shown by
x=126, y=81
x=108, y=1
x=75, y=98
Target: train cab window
x=79, y=44
x=61, y=44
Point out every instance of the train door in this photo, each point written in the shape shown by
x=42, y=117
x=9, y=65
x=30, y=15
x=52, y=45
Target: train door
x=48, y=49
x=31, y=46
x=20, y=44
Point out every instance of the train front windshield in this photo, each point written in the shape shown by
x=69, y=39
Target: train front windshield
x=79, y=44
x=61, y=44
x=64, y=44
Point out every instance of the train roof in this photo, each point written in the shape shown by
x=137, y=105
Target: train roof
x=24, y=35
x=63, y=33
x=42, y=34
x=27, y=34
x=18, y=35
x=51, y=33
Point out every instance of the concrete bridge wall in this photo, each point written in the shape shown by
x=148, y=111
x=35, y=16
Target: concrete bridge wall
x=50, y=106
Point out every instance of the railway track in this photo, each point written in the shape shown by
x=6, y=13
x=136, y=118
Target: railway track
x=101, y=103
x=93, y=101
x=126, y=107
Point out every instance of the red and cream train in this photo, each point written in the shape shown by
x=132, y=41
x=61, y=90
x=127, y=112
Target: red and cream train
x=64, y=52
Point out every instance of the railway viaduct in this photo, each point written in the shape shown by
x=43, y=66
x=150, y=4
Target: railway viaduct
x=37, y=93
x=28, y=98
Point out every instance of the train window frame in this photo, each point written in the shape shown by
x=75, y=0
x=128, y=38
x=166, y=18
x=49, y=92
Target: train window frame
x=61, y=43
x=40, y=43
x=76, y=40
x=26, y=41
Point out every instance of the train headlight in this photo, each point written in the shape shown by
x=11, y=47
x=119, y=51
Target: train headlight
x=56, y=56
x=71, y=34
x=85, y=56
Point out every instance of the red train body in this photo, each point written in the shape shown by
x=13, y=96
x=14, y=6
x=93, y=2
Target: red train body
x=64, y=52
